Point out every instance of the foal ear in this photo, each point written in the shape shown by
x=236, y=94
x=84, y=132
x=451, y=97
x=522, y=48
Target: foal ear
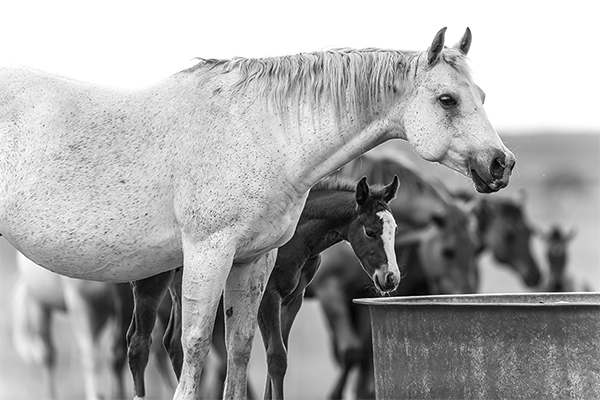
x=391, y=189
x=436, y=47
x=362, y=191
x=465, y=42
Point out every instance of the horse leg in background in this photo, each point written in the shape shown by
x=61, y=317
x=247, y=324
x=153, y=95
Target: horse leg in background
x=346, y=341
x=269, y=322
x=275, y=318
x=124, y=314
x=244, y=290
x=87, y=318
x=147, y=295
x=169, y=314
x=207, y=265
x=32, y=335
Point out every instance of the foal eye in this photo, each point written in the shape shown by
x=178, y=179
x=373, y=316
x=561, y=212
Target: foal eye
x=370, y=233
x=447, y=101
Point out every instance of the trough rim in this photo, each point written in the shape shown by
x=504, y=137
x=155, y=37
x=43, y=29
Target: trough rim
x=429, y=300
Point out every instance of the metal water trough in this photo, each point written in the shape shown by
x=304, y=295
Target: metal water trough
x=506, y=346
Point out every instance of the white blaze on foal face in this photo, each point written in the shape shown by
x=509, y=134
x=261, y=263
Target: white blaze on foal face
x=385, y=276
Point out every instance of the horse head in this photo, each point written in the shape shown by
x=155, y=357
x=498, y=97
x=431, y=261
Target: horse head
x=447, y=254
x=443, y=118
x=507, y=234
x=372, y=234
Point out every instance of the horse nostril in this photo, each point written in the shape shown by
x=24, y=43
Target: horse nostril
x=497, y=167
x=391, y=280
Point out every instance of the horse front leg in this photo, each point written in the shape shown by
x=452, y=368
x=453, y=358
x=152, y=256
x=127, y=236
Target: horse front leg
x=147, y=296
x=245, y=287
x=206, y=267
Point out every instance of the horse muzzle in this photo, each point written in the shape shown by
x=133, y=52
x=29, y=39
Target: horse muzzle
x=386, y=281
x=492, y=173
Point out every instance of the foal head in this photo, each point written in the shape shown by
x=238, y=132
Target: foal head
x=372, y=233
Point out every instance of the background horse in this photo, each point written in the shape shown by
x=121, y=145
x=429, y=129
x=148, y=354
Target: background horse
x=210, y=168
x=434, y=247
x=556, y=241
x=335, y=210
x=504, y=231
x=94, y=310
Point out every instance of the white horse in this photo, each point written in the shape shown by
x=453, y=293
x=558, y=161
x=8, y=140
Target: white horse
x=210, y=168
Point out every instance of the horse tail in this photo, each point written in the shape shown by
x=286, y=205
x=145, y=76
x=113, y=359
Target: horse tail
x=30, y=327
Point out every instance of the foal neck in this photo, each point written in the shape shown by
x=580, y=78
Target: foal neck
x=326, y=217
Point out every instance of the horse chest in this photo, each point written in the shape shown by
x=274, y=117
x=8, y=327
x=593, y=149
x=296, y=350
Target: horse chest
x=266, y=224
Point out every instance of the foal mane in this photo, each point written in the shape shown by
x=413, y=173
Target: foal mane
x=321, y=205
x=352, y=80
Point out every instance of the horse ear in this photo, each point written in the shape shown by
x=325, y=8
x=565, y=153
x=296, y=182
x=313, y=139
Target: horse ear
x=572, y=233
x=391, y=189
x=362, y=191
x=465, y=42
x=436, y=47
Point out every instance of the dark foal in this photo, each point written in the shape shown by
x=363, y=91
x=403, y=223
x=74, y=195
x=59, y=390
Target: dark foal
x=335, y=210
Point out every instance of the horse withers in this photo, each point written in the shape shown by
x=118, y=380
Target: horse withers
x=210, y=168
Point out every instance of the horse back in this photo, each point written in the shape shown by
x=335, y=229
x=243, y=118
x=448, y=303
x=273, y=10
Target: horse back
x=81, y=166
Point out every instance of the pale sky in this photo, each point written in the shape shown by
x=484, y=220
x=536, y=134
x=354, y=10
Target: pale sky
x=537, y=61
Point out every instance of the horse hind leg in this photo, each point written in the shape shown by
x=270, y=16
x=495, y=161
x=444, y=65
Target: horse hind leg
x=147, y=295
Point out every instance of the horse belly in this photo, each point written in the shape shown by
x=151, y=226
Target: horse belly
x=110, y=243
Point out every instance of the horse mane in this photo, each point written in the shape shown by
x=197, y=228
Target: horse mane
x=350, y=79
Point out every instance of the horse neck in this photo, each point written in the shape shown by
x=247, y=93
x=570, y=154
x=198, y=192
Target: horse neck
x=324, y=108
x=321, y=147
x=325, y=219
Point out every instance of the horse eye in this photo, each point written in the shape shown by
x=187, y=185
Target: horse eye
x=447, y=101
x=370, y=233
